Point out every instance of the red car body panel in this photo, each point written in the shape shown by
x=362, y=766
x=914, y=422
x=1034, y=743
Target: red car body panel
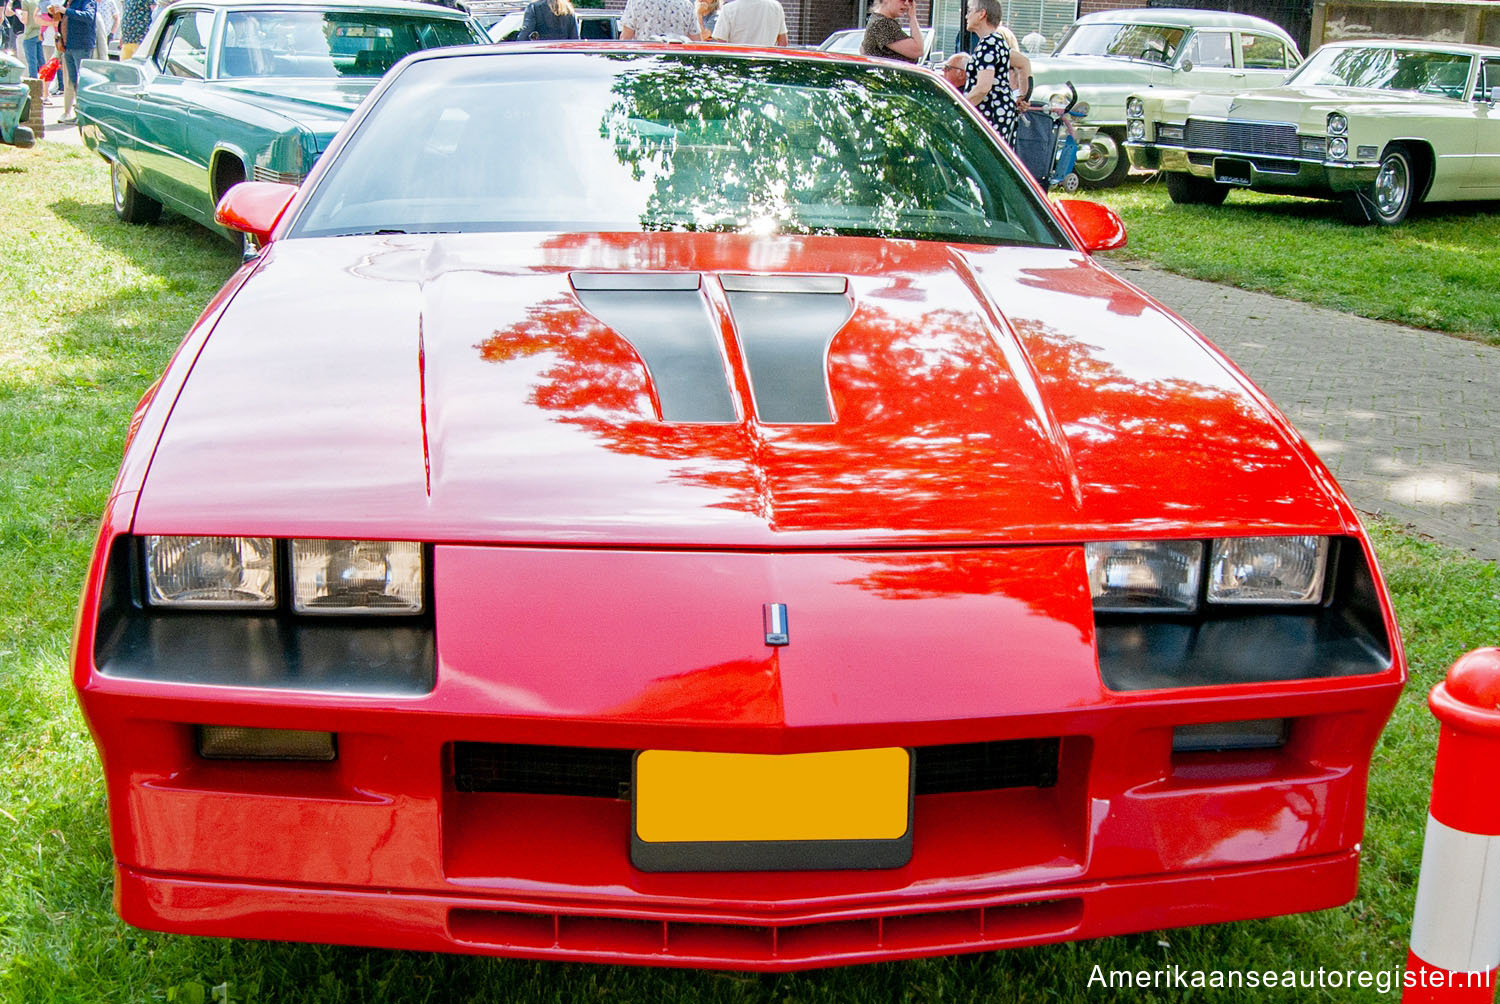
x=597, y=579
x=447, y=367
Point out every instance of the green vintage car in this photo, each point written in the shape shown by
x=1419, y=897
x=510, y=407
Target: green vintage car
x=15, y=103
x=1115, y=53
x=1381, y=125
x=224, y=91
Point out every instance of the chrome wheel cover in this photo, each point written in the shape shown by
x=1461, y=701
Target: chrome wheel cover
x=1103, y=157
x=117, y=183
x=1392, y=186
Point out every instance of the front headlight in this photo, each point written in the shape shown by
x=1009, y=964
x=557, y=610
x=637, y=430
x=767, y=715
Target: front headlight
x=1170, y=132
x=1135, y=129
x=1276, y=570
x=211, y=573
x=356, y=577
x=1163, y=576
x=1135, y=108
x=1138, y=575
x=1338, y=124
x=1338, y=148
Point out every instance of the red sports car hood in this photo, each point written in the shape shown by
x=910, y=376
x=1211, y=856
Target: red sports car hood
x=596, y=390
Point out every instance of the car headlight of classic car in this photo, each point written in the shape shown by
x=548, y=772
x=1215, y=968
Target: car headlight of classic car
x=1165, y=576
x=1135, y=119
x=326, y=576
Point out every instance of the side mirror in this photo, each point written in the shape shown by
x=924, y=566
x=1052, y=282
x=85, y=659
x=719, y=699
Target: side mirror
x=1489, y=81
x=1098, y=227
x=1187, y=65
x=254, y=207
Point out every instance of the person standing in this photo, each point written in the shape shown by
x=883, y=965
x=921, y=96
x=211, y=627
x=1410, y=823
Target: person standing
x=10, y=27
x=644, y=19
x=31, y=36
x=1020, y=65
x=75, y=30
x=708, y=16
x=752, y=22
x=988, y=87
x=134, y=20
x=106, y=26
x=884, y=35
x=548, y=19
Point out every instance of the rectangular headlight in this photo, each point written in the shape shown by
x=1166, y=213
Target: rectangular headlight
x=211, y=573
x=1278, y=570
x=357, y=577
x=1144, y=575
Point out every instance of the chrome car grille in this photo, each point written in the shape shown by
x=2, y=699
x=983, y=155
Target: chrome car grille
x=1243, y=137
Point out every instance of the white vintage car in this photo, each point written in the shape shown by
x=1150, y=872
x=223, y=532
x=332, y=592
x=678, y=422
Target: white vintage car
x=1381, y=125
x=1113, y=54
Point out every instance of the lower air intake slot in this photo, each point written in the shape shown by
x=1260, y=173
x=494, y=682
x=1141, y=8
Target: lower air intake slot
x=605, y=773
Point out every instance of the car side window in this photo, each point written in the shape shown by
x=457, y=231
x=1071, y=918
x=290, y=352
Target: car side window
x=596, y=28
x=1209, y=48
x=1263, y=52
x=1488, y=83
x=183, y=51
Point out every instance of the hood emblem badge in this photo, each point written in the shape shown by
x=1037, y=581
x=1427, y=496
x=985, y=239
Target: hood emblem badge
x=776, y=630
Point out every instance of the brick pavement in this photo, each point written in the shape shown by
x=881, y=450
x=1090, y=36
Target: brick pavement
x=1408, y=420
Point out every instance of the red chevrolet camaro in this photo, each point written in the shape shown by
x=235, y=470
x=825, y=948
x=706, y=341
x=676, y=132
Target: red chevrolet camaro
x=702, y=507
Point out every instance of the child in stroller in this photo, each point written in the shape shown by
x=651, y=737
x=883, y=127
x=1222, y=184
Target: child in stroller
x=1046, y=140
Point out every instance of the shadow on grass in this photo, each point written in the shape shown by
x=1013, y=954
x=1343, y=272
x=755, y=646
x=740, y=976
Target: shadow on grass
x=131, y=332
x=175, y=236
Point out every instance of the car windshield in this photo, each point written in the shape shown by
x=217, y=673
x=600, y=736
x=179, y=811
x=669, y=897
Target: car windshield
x=850, y=41
x=843, y=41
x=504, y=29
x=641, y=141
x=1386, y=69
x=310, y=43
x=1155, y=43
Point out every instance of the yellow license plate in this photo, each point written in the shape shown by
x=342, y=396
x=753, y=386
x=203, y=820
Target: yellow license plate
x=689, y=797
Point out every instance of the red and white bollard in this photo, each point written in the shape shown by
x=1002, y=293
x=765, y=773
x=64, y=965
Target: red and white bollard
x=1455, y=930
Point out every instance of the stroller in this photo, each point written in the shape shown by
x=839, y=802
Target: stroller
x=1045, y=141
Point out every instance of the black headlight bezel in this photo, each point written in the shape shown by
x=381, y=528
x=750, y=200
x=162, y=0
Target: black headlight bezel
x=273, y=648
x=1343, y=634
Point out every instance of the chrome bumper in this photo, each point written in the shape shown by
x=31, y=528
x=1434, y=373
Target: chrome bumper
x=1253, y=170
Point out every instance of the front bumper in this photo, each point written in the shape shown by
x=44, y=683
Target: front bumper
x=402, y=842
x=1253, y=170
x=521, y=927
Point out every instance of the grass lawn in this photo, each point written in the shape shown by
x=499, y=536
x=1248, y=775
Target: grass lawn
x=93, y=310
x=1438, y=270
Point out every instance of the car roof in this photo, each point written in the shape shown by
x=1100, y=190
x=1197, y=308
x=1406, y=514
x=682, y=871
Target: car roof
x=1181, y=17
x=1462, y=48
x=691, y=48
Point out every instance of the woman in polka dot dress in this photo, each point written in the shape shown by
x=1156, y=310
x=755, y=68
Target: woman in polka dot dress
x=989, y=69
